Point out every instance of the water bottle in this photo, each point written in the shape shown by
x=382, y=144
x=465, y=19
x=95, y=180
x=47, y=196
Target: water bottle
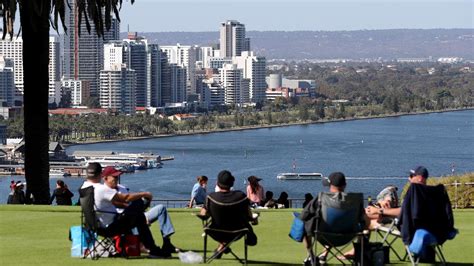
x=190, y=257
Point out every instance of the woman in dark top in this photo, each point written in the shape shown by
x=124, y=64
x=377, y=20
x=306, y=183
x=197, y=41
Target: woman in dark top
x=62, y=194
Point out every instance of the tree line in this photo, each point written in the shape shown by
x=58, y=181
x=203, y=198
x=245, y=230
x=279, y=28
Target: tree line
x=361, y=90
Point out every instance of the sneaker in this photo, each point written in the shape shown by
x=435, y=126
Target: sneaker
x=307, y=261
x=170, y=248
x=158, y=253
x=322, y=259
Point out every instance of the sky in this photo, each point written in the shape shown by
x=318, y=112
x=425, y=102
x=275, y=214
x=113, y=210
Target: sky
x=291, y=15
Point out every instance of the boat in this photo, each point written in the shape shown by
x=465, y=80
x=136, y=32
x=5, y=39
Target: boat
x=300, y=176
x=58, y=173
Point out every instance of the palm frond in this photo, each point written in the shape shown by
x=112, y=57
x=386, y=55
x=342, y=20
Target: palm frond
x=95, y=10
x=8, y=9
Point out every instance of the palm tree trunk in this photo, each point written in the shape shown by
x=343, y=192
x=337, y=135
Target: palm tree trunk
x=35, y=31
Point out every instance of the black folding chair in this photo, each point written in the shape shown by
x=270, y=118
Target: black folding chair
x=338, y=222
x=426, y=221
x=227, y=214
x=97, y=239
x=231, y=236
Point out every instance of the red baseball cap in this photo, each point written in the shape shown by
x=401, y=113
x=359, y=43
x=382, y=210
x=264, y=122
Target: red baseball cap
x=110, y=171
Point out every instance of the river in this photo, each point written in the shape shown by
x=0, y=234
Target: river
x=372, y=153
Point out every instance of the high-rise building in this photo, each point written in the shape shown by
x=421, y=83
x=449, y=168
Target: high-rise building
x=173, y=82
x=117, y=89
x=83, y=55
x=74, y=90
x=183, y=56
x=136, y=58
x=154, y=74
x=232, y=39
x=13, y=49
x=231, y=79
x=7, y=82
x=254, y=69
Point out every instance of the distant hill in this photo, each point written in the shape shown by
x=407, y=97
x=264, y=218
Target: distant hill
x=387, y=44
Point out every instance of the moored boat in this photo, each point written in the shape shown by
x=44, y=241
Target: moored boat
x=300, y=176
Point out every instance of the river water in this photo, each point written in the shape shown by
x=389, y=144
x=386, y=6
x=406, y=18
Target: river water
x=372, y=153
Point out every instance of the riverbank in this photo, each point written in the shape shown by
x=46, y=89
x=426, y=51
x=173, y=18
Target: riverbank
x=242, y=128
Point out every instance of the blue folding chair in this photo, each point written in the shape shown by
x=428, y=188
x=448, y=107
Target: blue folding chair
x=338, y=222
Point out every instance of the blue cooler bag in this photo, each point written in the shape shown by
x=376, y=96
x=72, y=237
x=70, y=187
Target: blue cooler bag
x=297, y=228
x=79, y=244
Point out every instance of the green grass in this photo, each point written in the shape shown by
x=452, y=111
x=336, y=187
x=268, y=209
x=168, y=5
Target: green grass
x=38, y=235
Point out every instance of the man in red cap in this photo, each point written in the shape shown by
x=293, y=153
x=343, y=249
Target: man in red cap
x=157, y=213
x=106, y=200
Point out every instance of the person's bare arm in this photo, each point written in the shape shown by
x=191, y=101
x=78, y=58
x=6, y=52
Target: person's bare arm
x=120, y=198
x=390, y=212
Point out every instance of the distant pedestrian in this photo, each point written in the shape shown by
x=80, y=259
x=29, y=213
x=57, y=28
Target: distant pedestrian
x=283, y=201
x=255, y=191
x=12, y=187
x=18, y=196
x=62, y=194
x=199, y=192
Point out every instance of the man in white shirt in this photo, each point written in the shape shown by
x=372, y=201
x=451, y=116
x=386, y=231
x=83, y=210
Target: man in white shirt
x=107, y=199
x=157, y=213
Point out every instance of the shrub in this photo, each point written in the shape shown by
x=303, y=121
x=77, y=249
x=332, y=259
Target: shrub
x=461, y=196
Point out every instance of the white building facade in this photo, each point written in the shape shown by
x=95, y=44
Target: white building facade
x=117, y=89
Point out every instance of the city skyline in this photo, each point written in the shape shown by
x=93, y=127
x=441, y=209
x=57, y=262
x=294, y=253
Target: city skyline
x=266, y=15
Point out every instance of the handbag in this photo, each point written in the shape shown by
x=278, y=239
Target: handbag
x=127, y=245
x=297, y=228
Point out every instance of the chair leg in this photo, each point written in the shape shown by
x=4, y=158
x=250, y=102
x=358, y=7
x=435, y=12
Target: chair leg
x=245, y=249
x=412, y=260
x=439, y=252
x=205, y=248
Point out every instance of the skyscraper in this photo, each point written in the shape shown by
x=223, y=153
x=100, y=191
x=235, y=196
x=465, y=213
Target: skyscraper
x=154, y=87
x=13, y=49
x=231, y=79
x=7, y=82
x=183, y=56
x=254, y=69
x=136, y=57
x=117, y=89
x=83, y=55
x=232, y=39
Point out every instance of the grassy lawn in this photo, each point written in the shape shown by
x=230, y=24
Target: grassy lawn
x=38, y=235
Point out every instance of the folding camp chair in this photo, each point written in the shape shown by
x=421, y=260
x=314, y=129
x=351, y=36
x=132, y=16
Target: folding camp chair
x=232, y=237
x=99, y=243
x=338, y=222
x=421, y=239
x=390, y=234
x=227, y=224
x=426, y=222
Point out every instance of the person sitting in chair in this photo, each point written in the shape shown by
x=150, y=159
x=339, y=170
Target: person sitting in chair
x=229, y=210
x=106, y=200
x=426, y=212
x=337, y=184
x=157, y=213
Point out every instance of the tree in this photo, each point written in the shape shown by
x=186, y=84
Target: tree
x=35, y=26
